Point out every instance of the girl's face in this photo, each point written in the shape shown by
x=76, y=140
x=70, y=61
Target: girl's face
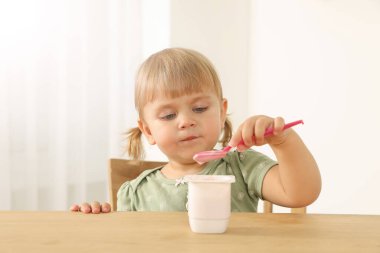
x=185, y=125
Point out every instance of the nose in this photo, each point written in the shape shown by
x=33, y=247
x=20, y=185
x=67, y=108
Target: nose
x=186, y=121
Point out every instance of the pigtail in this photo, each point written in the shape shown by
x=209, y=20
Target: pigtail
x=227, y=132
x=134, y=144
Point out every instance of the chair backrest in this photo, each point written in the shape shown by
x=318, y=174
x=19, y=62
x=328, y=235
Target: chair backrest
x=121, y=170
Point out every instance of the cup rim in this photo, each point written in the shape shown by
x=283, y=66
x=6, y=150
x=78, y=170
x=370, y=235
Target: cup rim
x=209, y=179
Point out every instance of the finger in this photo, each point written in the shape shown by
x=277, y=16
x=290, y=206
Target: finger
x=85, y=208
x=262, y=124
x=236, y=138
x=248, y=129
x=279, y=124
x=95, y=206
x=75, y=208
x=242, y=147
x=106, y=208
x=244, y=134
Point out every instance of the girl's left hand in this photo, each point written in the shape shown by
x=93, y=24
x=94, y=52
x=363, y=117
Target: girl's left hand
x=252, y=131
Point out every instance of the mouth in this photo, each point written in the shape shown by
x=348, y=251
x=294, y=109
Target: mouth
x=190, y=138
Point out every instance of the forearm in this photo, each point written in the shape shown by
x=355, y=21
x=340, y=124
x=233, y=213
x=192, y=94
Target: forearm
x=298, y=171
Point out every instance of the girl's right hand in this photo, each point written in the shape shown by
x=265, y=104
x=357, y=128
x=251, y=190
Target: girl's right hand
x=95, y=207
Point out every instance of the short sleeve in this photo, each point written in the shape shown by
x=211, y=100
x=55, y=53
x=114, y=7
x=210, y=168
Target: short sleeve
x=253, y=167
x=125, y=197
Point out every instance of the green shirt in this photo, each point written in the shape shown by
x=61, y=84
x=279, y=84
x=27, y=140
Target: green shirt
x=152, y=191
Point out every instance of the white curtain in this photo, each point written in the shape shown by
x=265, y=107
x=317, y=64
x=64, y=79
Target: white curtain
x=66, y=96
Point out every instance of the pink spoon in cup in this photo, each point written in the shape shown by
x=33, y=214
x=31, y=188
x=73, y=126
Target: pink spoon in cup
x=206, y=156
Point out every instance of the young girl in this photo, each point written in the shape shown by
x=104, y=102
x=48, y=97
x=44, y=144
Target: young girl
x=181, y=109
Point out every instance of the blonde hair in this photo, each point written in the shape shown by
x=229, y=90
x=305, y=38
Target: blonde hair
x=173, y=72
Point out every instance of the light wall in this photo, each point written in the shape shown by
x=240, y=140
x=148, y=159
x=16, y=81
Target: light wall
x=220, y=30
x=311, y=60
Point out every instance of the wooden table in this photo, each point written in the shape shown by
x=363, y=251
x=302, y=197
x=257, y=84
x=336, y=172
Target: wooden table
x=169, y=232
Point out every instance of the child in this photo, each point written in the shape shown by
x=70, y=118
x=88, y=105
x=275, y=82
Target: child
x=181, y=109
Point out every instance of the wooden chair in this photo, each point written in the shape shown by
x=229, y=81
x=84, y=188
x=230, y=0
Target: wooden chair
x=121, y=170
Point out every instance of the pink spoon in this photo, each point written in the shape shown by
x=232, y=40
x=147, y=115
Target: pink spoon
x=206, y=156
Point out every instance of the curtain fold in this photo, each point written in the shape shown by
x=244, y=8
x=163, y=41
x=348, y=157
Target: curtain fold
x=66, y=96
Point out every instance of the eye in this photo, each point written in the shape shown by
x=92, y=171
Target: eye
x=200, y=109
x=168, y=116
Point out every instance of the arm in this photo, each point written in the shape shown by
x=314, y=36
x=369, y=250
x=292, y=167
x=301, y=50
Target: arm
x=296, y=181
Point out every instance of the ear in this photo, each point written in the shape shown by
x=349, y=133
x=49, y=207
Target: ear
x=223, y=111
x=144, y=128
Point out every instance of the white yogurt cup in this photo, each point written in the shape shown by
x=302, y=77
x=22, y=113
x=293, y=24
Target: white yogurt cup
x=209, y=202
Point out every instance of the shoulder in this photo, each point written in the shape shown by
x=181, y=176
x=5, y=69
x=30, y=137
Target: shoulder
x=249, y=158
x=250, y=168
x=133, y=184
x=247, y=161
x=250, y=164
x=127, y=191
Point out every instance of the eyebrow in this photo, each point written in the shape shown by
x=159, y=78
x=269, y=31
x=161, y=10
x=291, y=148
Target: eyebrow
x=200, y=97
x=192, y=100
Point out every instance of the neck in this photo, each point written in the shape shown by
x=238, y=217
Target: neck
x=175, y=170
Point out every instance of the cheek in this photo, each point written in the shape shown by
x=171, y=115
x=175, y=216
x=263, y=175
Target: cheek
x=165, y=142
x=213, y=126
x=162, y=135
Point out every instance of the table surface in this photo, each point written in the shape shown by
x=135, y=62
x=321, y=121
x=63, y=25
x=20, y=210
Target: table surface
x=170, y=232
